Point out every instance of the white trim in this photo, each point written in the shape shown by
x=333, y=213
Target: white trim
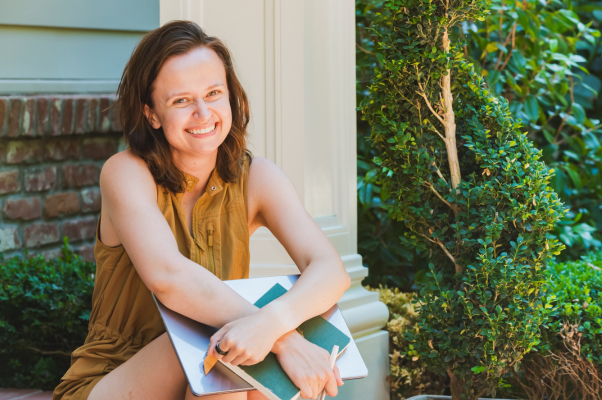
x=31, y=86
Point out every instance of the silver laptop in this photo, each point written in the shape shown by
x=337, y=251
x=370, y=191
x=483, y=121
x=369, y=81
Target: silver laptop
x=190, y=340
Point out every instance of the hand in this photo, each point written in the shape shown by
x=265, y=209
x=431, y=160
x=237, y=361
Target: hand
x=307, y=365
x=247, y=340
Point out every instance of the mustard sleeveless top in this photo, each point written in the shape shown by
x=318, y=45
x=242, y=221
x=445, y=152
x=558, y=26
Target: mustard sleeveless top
x=124, y=317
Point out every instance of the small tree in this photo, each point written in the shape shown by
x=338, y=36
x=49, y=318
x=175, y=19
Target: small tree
x=471, y=190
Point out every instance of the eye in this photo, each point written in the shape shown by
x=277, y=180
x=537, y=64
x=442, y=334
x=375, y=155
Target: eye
x=216, y=91
x=180, y=101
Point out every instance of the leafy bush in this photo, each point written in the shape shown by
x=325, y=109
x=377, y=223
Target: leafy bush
x=389, y=261
x=577, y=286
x=577, y=179
x=568, y=361
x=484, y=222
x=534, y=54
x=44, y=313
x=407, y=377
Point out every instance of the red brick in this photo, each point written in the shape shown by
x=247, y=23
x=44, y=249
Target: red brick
x=3, y=113
x=29, y=114
x=20, y=151
x=62, y=149
x=98, y=148
x=68, y=114
x=80, y=175
x=23, y=208
x=86, y=252
x=56, y=109
x=9, y=181
x=93, y=110
x=115, y=120
x=40, y=179
x=91, y=199
x=9, y=238
x=14, y=117
x=61, y=204
x=80, y=115
x=40, y=233
x=80, y=229
x=105, y=117
x=43, y=115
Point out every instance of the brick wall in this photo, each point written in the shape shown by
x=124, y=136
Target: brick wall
x=51, y=151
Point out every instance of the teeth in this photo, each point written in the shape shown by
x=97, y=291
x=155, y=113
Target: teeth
x=201, y=131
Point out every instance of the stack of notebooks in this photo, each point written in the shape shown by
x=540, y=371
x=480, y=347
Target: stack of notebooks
x=268, y=376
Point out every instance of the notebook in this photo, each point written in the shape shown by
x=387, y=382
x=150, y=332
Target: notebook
x=268, y=376
x=190, y=341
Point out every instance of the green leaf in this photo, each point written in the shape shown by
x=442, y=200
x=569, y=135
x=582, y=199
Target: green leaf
x=578, y=112
x=531, y=107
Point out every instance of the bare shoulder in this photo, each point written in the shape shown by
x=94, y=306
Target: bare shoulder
x=269, y=191
x=261, y=169
x=127, y=173
x=265, y=178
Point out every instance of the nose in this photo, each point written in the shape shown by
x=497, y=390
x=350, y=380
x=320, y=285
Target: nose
x=201, y=111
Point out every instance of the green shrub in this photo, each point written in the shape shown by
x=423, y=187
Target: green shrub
x=577, y=286
x=44, y=312
x=471, y=190
x=389, y=261
x=535, y=54
x=406, y=376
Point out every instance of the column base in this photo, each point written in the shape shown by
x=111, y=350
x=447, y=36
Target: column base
x=374, y=349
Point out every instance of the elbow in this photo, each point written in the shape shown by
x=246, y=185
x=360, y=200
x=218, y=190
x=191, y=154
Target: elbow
x=159, y=280
x=345, y=278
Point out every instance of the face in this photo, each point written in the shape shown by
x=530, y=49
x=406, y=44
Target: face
x=191, y=103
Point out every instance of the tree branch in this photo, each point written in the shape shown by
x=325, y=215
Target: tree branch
x=511, y=48
x=438, y=172
x=437, y=241
x=49, y=352
x=454, y=208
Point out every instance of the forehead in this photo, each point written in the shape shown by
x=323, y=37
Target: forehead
x=190, y=72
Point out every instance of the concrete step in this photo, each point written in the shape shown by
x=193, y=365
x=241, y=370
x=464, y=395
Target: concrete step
x=29, y=394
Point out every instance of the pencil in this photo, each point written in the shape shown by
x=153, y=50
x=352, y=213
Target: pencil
x=333, y=359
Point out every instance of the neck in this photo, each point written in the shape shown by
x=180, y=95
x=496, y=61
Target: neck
x=199, y=166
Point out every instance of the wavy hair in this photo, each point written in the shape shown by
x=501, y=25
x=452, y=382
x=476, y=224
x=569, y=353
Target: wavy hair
x=135, y=89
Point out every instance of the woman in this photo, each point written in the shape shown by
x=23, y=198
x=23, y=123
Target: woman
x=188, y=194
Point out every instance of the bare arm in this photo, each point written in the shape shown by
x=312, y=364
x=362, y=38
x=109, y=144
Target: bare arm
x=130, y=202
x=275, y=204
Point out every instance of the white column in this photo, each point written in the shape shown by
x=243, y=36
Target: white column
x=296, y=61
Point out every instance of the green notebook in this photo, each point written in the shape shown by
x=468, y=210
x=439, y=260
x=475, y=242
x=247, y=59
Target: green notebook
x=268, y=376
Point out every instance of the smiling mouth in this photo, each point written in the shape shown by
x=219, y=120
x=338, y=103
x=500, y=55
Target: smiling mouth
x=201, y=131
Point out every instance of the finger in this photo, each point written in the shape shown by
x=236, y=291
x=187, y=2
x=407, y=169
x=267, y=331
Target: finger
x=305, y=391
x=337, y=375
x=217, y=337
x=331, y=387
x=232, y=351
x=242, y=358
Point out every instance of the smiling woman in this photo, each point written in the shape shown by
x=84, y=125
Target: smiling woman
x=172, y=73
x=178, y=208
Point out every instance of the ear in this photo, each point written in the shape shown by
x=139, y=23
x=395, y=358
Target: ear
x=152, y=117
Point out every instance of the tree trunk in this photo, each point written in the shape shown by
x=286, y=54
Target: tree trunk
x=450, y=123
x=455, y=385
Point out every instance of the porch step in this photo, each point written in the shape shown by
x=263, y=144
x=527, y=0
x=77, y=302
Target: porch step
x=28, y=394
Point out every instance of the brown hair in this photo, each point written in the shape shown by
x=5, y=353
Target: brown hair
x=135, y=89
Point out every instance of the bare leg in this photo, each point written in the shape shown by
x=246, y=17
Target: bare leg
x=152, y=373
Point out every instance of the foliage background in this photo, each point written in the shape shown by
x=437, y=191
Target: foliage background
x=44, y=314
x=553, y=39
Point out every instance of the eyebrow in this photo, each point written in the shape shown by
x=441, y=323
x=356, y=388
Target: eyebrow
x=184, y=93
